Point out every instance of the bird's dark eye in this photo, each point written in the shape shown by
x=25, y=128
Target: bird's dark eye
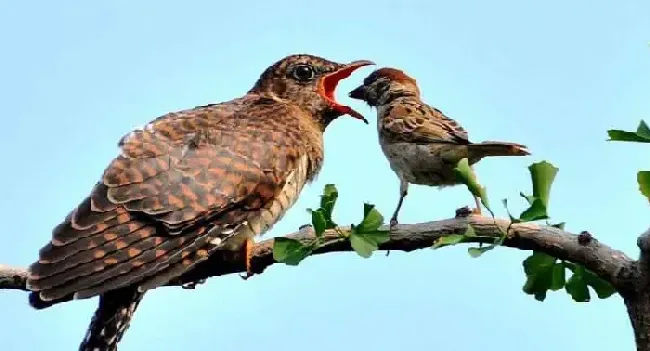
x=382, y=86
x=303, y=73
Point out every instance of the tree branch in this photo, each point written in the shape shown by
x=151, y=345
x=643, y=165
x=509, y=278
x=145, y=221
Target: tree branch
x=643, y=242
x=13, y=278
x=612, y=265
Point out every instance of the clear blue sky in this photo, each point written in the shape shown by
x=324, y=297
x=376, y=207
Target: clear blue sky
x=555, y=75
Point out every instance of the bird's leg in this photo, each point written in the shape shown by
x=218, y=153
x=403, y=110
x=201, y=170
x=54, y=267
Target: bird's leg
x=477, y=210
x=393, y=219
x=248, y=255
x=403, y=189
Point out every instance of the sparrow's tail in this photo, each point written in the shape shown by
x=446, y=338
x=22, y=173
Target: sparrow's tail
x=111, y=319
x=496, y=148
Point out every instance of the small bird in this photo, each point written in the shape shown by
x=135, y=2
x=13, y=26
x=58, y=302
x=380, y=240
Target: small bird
x=187, y=184
x=423, y=146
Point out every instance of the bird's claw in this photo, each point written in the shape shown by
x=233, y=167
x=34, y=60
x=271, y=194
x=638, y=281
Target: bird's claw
x=463, y=212
x=393, y=223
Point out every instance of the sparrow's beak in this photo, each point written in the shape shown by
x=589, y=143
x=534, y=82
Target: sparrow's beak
x=358, y=93
x=330, y=81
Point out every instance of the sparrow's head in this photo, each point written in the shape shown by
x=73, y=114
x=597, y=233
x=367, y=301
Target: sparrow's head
x=384, y=85
x=309, y=82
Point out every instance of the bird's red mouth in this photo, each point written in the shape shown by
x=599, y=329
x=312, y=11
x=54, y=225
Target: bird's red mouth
x=330, y=81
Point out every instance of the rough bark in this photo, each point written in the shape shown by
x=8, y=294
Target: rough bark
x=612, y=265
x=628, y=276
x=13, y=277
x=638, y=308
x=637, y=297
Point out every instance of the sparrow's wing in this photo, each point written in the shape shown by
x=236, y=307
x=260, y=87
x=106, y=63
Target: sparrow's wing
x=418, y=123
x=179, y=189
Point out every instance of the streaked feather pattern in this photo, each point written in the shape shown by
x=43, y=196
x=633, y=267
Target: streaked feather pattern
x=181, y=182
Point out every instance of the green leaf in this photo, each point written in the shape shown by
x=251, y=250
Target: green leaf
x=365, y=237
x=643, y=178
x=602, y=287
x=537, y=262
x=469, y=232
x=541, y=275
x=529, y=198
x=501, y=239
x=558, y=277
x=372, y=219
x=559, y=225
x=327, y=202
x=576, y=286
x=642, y=134
x=318, y=222
x=290, y=251
x=448, y=240
x=476, y=252
x=466, y=175
x=365, y=243
x=329, y=192
x=620, y=135
x=642, y=130
x=512, y=218
x=542, y=173
x=536, y=211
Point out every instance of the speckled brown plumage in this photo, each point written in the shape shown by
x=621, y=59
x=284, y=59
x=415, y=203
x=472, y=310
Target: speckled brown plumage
x=192, y=182
x=189, y=175
x=422, y=144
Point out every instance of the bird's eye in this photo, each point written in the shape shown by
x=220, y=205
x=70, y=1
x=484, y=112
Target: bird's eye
x=303, y=73
x=382, y=85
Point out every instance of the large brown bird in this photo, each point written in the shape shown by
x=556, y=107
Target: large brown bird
x=187, y=184
x=423, y=146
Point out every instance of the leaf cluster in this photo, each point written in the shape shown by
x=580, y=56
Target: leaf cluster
x=364, y=237
x=642, y=135
x=543, y=272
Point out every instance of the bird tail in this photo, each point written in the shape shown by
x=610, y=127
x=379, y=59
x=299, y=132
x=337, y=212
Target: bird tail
x=496, y=148
x=111, y=319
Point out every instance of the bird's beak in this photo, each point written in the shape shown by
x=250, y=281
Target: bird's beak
x=358, y=93
x=329, y=82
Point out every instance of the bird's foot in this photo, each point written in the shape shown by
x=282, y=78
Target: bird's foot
x=463, y=212
x=248, y=255
x=393, y=222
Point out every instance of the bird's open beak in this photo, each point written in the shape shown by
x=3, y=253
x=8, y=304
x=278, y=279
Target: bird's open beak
x=358, y=93
x=330, y=81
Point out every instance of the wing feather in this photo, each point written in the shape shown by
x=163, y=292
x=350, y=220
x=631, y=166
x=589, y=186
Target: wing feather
x=416, y=122
x=172, y=197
